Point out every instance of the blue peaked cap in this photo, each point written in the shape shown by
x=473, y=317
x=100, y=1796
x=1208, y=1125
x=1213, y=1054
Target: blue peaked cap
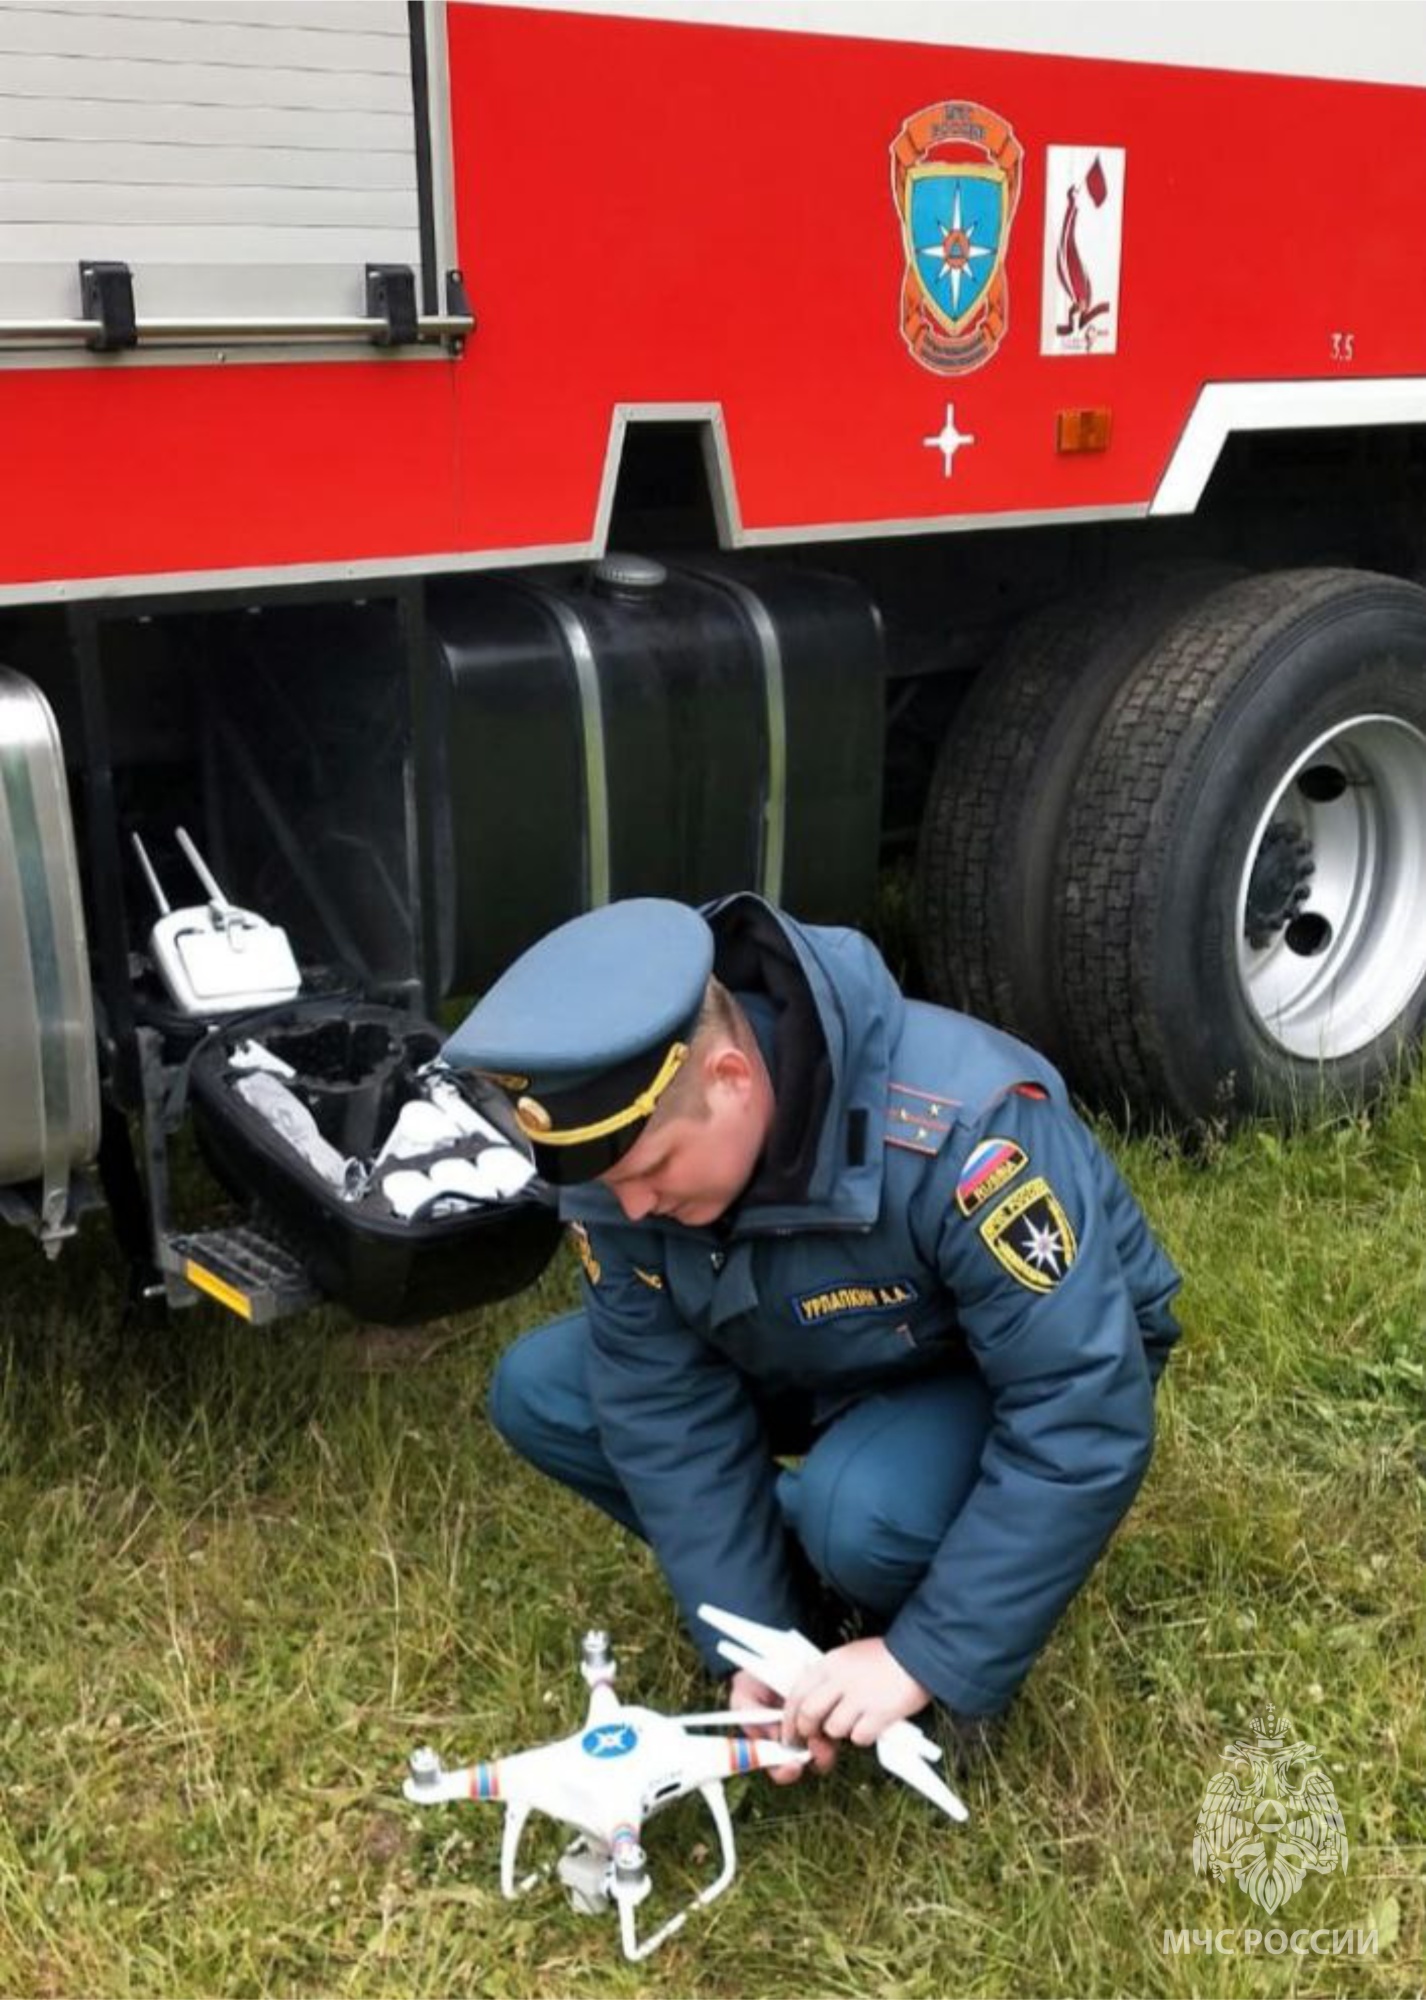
x=587, y=1029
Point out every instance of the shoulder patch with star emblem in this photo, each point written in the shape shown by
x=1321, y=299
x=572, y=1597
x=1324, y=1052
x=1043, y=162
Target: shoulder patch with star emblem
x=1030, y=1236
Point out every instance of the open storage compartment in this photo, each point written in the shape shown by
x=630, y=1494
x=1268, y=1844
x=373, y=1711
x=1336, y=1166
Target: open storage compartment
x=397, y=1236
x=285, y=735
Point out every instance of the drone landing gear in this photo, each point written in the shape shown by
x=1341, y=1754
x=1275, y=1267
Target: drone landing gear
x=515, y=1817
x=629, y=1892
x=595, y=1875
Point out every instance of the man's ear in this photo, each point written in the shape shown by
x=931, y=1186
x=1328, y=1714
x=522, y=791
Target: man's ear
x=727, y=1065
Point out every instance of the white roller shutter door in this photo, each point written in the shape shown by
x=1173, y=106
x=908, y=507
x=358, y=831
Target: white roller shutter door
x=243, y=157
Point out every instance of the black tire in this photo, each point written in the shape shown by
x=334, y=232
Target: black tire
x=1002, y=784
x=1204, y=967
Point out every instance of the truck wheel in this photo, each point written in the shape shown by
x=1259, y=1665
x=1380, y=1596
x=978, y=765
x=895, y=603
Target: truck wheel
x=1241, y=902
x=1001, y=787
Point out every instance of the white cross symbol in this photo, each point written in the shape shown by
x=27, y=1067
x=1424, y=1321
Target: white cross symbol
x=608, y=1741
x=950, y=440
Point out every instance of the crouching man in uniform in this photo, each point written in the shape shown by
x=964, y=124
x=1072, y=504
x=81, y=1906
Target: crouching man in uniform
x=819, y=1220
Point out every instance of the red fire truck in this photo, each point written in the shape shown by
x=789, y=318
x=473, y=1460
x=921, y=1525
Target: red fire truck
x=465, y=463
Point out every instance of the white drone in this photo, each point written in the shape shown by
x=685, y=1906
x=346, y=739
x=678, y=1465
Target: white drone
x=627, y=1763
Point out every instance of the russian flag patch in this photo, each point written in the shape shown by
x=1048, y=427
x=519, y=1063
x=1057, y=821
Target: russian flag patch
x=989, y=1167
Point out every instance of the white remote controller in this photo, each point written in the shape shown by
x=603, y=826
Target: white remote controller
x=213, y=957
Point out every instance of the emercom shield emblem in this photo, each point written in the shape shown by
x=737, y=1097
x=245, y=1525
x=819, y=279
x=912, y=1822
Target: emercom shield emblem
x=955, y=180
x=1030, y=1235
x=955, y=232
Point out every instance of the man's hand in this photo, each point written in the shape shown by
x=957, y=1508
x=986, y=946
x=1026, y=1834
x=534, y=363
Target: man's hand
x=854, y=1692
x=745, y=1690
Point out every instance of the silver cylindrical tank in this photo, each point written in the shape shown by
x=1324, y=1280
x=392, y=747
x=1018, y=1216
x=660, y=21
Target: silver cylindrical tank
x=49, y=1081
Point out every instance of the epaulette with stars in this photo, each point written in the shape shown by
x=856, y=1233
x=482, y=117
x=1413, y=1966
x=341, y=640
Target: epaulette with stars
x=917, y=1119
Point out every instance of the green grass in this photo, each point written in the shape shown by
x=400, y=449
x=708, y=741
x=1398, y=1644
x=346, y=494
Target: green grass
x=241, y=1575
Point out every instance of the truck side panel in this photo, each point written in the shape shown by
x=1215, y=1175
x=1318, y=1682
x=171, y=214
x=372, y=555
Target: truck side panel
x=656, y=213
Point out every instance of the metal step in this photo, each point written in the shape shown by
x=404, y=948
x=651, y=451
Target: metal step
x=249, y=1272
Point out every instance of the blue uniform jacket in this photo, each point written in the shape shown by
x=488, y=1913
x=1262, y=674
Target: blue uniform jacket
x=952, y=1212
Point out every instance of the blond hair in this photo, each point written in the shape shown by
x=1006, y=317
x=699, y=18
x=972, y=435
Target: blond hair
x=720, y=1016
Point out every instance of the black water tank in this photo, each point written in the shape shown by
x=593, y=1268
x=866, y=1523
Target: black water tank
x=631, y=729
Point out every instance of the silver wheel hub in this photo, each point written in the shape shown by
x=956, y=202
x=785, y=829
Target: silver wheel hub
x=1331, y=912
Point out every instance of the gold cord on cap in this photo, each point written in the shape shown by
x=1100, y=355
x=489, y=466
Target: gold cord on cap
x=536, y=1123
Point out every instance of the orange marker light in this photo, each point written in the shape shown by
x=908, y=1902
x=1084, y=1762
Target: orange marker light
x=1083, y=430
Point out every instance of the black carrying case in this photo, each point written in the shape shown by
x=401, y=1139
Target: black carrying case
x=356, y=1066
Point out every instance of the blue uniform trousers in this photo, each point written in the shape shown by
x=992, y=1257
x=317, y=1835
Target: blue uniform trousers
x=870, y=1502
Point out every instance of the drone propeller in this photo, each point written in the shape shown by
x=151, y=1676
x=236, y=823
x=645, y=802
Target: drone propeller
x=785, y=1651
x=906, y=1752
x=779, y=1657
